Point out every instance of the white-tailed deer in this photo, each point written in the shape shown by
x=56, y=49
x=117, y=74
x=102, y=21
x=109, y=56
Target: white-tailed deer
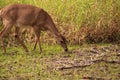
x=19, y=15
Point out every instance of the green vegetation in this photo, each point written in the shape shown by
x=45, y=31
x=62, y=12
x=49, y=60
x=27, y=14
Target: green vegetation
x=99, y=18
x=81, y=22
x=87, y=12
x=83, y=63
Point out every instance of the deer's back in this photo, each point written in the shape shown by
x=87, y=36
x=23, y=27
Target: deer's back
x=23, y=14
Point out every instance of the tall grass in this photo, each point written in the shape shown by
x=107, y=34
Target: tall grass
x=71, y=15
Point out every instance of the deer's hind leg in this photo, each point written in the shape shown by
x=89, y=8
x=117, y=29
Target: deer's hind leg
x=19, y=40
x=7, y=26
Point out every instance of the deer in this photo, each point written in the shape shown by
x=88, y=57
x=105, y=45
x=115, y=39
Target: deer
x=29, y=16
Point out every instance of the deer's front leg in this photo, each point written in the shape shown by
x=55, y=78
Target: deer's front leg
x=37, y=33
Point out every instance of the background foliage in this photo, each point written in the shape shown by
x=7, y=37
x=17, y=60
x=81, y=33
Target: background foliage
x=78, y=20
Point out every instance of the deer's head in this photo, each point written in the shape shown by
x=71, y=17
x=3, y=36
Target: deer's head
x=62, y=42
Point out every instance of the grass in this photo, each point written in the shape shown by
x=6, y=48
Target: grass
x=70, y=16
x=76, y=12
x=35, y=66
x=32, y=66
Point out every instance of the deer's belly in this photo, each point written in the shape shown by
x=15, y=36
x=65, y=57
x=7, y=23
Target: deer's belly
x=21, y=25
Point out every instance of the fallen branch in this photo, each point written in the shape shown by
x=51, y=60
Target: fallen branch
x=102, y=60
x=71, y=67
x=94, y=78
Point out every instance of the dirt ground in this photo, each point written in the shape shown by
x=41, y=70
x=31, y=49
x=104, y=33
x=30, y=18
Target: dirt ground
x=93, y=62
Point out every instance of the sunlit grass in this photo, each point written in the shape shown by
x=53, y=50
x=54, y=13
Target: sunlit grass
x=69, y=16
x=76, y=12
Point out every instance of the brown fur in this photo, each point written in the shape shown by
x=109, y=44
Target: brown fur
x=20, y=15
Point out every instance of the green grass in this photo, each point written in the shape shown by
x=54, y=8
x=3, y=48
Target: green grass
x=69, y=16
x=91, y=12
x=32, y=65
x=35, y=66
